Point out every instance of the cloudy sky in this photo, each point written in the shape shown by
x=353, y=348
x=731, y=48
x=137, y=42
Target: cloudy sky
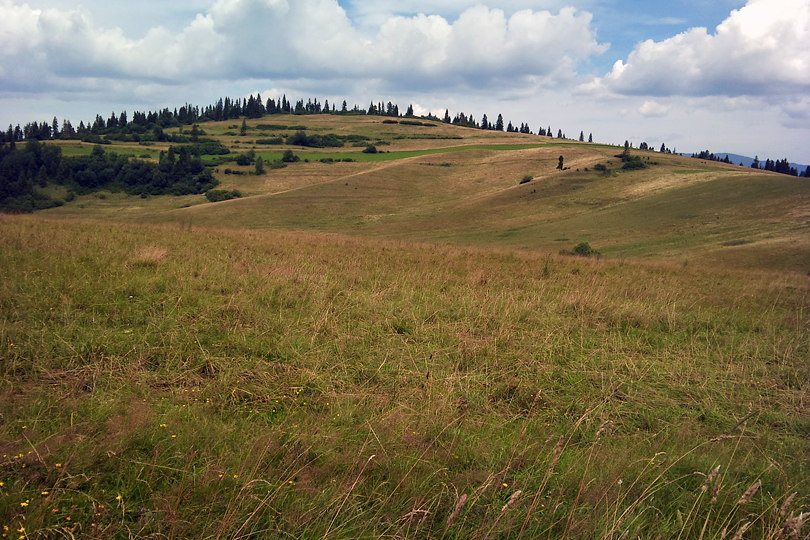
x=723, y=75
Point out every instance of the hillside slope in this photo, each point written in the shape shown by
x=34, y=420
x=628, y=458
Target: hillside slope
x=164, y=382
x=462, y=186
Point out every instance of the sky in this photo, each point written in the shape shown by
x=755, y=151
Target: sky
x=723, y=75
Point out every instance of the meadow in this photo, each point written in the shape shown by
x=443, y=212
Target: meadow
x=399, y=350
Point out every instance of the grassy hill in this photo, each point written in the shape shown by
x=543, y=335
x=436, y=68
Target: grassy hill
x=462, y=186
x=393, y=348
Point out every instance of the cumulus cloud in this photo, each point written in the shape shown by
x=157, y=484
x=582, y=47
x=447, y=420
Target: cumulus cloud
x=653, y=109
x=760, y=49
x=292, y=39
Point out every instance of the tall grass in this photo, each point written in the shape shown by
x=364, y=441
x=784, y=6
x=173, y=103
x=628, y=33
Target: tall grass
x=168, y=381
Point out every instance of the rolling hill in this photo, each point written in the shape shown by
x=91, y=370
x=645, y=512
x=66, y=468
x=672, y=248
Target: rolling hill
x=400, y=345
x=458, y=185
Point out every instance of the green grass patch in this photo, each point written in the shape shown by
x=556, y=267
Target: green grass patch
x=382, y=156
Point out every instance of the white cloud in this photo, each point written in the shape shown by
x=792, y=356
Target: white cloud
x=292, y=39
x=760, y=49
x=653, y=109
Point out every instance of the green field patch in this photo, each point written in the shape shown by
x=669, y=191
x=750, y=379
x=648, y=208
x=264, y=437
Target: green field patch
x=395, y=155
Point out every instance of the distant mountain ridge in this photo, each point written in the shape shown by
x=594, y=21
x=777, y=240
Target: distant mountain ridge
x=746, y=161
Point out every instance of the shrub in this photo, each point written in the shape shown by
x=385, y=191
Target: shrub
x=290, y=157
x=583, y=249
x=244, y=159
x=634, y=163
x=217, y=195
x=526, y=179
x=370, y=149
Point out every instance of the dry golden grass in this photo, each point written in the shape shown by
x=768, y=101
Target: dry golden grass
x=236, y=383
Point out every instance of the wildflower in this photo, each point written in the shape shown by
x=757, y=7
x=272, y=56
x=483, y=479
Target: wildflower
x=54, y=510
x=45, y=493
x=25, y=427
x=2, y=484
x=58, y=465
x=164, y=425
x=119, y=498
x=221, y=475
x=174, y=436
x=505, y=484
x=236, y=476
x=25, y=503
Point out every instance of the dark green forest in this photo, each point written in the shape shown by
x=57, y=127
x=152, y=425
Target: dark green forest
x=27, y=168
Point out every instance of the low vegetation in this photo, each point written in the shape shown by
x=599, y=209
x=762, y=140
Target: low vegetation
x=168, y=381
x=217, y=195
x=393, y=344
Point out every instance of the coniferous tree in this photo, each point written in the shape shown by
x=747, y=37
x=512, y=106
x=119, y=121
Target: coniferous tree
x=499, y=123
x=581, y=136
x=590, y=137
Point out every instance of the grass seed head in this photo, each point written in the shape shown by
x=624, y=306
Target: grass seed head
x=512, y=500
x=750, y=492
x=460, y=502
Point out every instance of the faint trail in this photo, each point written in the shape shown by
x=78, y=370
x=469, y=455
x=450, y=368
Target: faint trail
x=385, y=165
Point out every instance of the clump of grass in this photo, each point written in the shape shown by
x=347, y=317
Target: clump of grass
x=149, y=256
